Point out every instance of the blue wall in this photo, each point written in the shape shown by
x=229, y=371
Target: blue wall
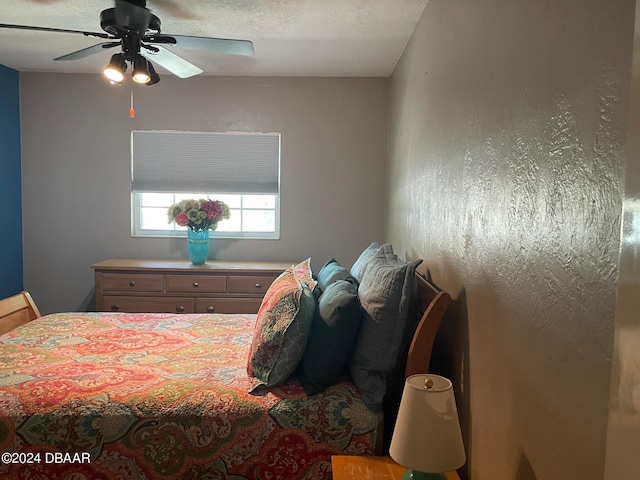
x=11, y=280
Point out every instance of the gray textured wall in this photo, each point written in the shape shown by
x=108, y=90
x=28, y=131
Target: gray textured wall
x=507, y=142
x=76, y=169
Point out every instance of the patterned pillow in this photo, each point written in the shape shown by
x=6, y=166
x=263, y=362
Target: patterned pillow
x=305, y=274
x=281, y=332
x=386, y=294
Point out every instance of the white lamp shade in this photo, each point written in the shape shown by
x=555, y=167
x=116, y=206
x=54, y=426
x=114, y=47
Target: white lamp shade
x=427, y=435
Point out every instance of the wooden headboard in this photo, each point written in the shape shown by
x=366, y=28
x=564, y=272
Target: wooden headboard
x=16, y=310
x=431, y=305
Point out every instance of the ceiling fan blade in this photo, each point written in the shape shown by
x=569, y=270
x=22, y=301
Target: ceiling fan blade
x=225, y=45
x=85, y=52
x=61, y=30
x=170, y=61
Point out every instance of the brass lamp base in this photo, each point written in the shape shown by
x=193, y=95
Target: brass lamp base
x=413, y=475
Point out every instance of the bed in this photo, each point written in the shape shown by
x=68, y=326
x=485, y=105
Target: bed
x=98, y=395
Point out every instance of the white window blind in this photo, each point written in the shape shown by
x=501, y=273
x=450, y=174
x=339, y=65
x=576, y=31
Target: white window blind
x=182, y=162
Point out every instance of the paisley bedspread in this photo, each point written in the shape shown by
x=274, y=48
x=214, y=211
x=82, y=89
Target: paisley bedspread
x=149, y=396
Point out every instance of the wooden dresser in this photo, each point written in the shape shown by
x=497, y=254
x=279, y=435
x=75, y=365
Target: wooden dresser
x=125, y=285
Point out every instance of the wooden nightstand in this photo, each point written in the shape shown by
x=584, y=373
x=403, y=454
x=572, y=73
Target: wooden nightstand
x=347, y=467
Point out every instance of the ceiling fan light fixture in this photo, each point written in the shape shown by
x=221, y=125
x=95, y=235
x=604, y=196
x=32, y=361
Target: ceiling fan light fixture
x=153, y=75
x=132, y=26
x=114, y=71
x=141, y=73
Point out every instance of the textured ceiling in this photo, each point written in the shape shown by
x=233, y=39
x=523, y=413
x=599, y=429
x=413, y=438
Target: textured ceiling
x=291, y=37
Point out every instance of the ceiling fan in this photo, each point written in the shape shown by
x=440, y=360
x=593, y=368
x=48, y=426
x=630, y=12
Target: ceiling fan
x=131, y=26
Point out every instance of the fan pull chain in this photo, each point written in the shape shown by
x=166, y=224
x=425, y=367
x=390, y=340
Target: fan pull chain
x=132, y=112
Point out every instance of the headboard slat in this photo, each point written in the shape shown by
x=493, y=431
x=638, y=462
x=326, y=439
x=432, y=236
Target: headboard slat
x=17, y=310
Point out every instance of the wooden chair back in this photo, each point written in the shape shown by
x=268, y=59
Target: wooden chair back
x=431, y=304
x=17, y=310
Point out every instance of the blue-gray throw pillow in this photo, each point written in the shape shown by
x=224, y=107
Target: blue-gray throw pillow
x=331, y=272
x=333, y=334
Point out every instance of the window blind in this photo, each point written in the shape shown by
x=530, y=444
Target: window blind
x=185, y=162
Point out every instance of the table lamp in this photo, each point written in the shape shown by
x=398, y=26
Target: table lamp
x=427, y=438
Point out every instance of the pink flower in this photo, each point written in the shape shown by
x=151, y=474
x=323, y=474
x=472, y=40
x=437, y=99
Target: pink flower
x=212, y=209
x=182, y=219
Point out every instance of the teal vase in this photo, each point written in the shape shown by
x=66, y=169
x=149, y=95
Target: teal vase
x=198, y=246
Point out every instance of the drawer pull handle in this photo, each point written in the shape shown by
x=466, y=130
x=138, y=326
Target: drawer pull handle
x=180, y=308
x=258, y=285
x=132, y=284
x=195, y=284
x=115, y=307
x=211, y=309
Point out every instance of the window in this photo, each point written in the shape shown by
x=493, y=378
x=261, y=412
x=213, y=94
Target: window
x=241, y=169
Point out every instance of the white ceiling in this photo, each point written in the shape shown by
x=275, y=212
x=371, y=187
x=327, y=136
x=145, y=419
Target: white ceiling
x=290, y=37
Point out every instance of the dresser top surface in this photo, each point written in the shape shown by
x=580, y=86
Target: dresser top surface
x=124, y=264
x=346, y=467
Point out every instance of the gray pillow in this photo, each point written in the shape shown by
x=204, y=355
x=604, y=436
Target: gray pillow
x=360, y=265
x=386, y=293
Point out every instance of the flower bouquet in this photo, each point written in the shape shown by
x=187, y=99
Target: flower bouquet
x=200, y=217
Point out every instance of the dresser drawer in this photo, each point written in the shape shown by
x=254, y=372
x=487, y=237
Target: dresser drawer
x=227, y=305
x=196, y=283
x=115, y=303
x=257, y=284
x=133, y=282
